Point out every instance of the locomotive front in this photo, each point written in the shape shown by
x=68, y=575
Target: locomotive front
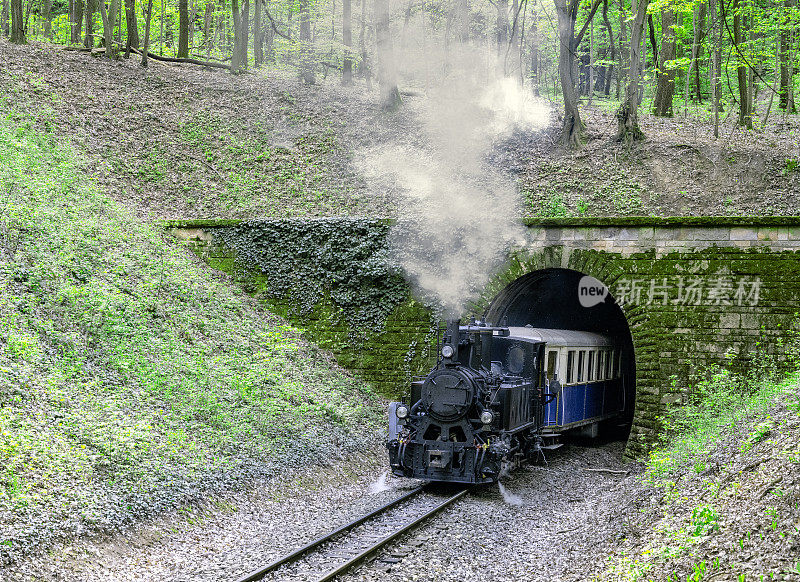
x=478, y=409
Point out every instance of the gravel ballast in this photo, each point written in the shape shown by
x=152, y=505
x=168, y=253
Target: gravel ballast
x=548, y=527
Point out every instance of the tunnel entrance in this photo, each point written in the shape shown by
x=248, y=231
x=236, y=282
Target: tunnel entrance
x=551, y=298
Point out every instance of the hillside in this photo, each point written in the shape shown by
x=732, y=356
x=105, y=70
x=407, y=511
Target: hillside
x=182, y=142
x=132, y=379
x=720, y=499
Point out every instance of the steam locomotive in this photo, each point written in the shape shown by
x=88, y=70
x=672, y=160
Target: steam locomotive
x=498, y=396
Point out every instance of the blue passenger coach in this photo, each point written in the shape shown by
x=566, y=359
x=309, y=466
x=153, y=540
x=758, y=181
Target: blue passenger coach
x=588, y=368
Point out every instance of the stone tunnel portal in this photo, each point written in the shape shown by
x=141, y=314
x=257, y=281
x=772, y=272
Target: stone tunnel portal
x=549, y=298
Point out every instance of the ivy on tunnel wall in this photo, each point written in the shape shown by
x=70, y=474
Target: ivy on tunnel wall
x=334, y=279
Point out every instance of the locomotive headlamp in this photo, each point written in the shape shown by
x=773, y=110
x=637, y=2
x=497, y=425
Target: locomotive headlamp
x=448, y=351
x=402, y=411
x=487, y=417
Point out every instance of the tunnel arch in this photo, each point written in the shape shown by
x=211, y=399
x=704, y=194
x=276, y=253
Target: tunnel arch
x=550, y=298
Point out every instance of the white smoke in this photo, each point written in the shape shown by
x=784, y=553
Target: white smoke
x=458, y=217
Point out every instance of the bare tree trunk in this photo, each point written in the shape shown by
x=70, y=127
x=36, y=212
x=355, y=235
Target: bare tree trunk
x=183, y=29
x=208, y=39
x=109, y=17
x=628, y=120
x=258, y=33
x=665, y=85
x=787, y=79
x=653, y=42
x=535, y=64
x=245, y=20
x=4, y=15
x=47, y=6
x=236, y=57
x=363, y=64
x=88, y=14
x=716, y=61
x=623, y=48
x=148, y=16
x=699, y=26
x=502, y=25
x=387, y=81
x=347, y=40
x=572, y=128
x=132, y=26
x=611, y=47
x=306, y=50
x=591, y=62
x=17, y=20
x=745, y=117
x=77, y=22
x=464, y=19
x=269, y=40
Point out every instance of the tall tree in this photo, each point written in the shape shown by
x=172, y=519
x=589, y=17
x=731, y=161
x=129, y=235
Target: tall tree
x=237, y=57
x=258, y=33
x=785, y=45
x=665, y=82
x=132, y=40
x=716, y=61
x=387, y=80
x=17, y=23
x=347, y=40
x=306, y=53
x=608, y=68
x=745, y=106
x=47, y=6
x=183, y=29
x=698, y=27
x=148, y=17
x=4, y=29
x=77, y=22
x=623, y=46
x=501, y=25
x=572, y=128
x=628, y=129
x=109, y=18
x=88, y=40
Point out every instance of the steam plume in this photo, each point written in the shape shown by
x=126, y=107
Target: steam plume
x=457, y=216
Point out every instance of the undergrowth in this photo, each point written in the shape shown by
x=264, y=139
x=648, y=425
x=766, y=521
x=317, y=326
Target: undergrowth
x=130, y=377
x=714, y=513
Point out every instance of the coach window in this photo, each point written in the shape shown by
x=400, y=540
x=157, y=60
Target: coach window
x=614, y=363
x=590, y=367
x=552, y=356
x=570, y=366
x=581, y=365
x=601, y=365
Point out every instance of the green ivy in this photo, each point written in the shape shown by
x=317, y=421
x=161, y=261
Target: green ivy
x=342, y=260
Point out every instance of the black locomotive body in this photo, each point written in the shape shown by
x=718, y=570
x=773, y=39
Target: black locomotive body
x=480, y=409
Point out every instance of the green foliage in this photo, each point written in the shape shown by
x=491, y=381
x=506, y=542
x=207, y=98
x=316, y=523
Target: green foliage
x=705, y=520
x=125, y=368
x=717, y=402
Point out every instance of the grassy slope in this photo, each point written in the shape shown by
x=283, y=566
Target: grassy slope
x=724, y=497
x=130, y=377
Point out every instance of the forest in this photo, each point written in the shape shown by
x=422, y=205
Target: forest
x=712, y=58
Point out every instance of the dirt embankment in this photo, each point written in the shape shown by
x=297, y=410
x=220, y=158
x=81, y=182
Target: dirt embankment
x=183, y=142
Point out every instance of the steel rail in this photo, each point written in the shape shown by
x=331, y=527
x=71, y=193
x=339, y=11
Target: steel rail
x=261, y=572
x=388, y=539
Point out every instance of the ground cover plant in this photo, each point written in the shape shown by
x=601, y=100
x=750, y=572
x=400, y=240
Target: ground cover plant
x=723, y=488
x=131, y=378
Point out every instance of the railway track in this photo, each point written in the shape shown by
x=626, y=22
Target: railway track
x=336, y=552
